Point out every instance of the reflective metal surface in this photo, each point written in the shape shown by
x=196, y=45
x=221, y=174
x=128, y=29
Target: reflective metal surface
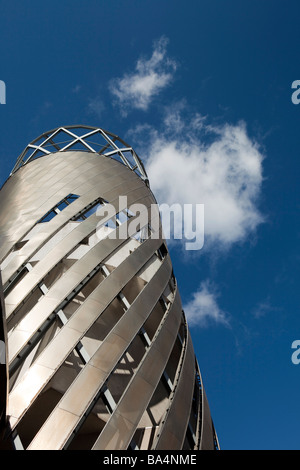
x=3, y=364
x=99, y=355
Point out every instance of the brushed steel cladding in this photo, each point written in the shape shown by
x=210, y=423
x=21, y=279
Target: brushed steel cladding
x=3, y=364
x=98, y=351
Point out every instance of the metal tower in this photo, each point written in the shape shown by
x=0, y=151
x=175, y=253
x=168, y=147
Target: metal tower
x=95, y=348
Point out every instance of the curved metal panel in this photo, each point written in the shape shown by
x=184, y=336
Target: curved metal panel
x=67, y=338
x=207, y=434
x=174, y=428
x=94, y=318
x=4, y=374
x=141, y=388
x=104, y=359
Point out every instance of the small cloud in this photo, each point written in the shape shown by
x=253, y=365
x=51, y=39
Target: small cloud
x=96, y=106
x=76, y=89
x=203, y=308
x=173, y=121
x=137, y=89
x=263, y=308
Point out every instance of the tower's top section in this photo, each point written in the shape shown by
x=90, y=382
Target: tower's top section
x=83, y=138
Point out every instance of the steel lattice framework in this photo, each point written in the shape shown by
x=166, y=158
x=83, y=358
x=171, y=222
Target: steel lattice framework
x=84, y=138
x=99, y=354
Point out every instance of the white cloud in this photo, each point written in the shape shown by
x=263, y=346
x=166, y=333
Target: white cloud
x=96, y=106
x=220, y=167
x=137, y=89
x=191, y=161
x=203, y=308
x=263, y=308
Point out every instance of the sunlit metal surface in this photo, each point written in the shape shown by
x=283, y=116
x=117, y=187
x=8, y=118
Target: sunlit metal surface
x=99, y=351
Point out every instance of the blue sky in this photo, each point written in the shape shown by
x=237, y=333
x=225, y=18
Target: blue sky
x=202, y=91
